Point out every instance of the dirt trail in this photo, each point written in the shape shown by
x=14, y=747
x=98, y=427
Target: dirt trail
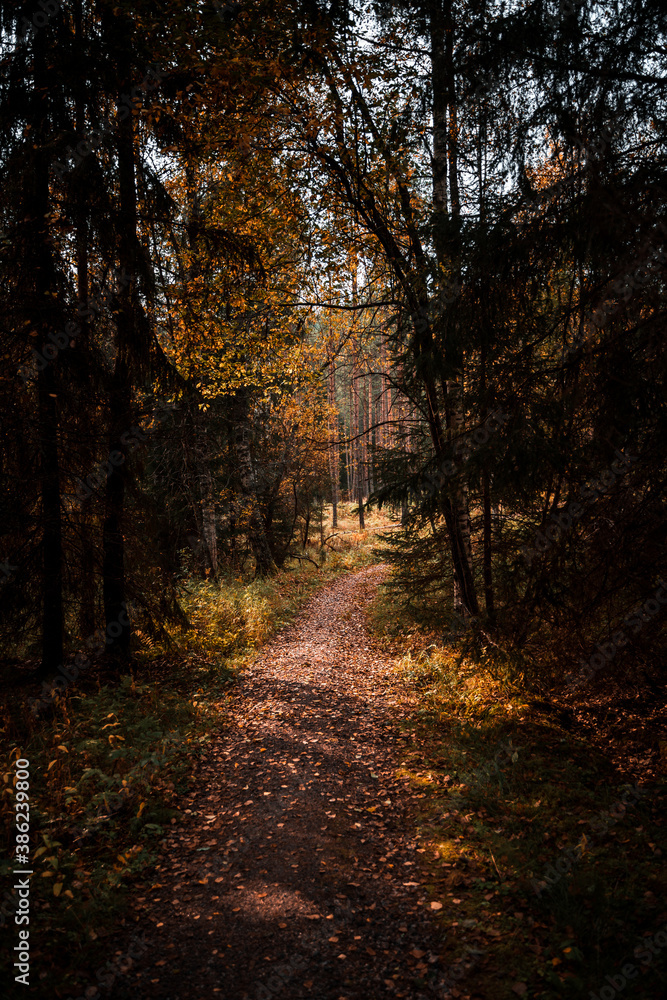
x=294, y=875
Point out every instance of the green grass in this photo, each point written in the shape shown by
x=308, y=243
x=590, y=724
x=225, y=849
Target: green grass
x=491, y=827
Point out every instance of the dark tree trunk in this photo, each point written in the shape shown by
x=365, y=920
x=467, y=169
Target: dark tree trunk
x=256, y=527
x=132, y=345
x=334, y=452
x=488, y=550
x=52, y=548
x=46, y=320
x=445, y=167
x=356, y=415
x=86, y=531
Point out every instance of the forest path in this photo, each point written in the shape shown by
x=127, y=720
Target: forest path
x=296, y=874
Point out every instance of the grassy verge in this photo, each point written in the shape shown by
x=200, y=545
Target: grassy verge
x=547, y=856
x=109, y=760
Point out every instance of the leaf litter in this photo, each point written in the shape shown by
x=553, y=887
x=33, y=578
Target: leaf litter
x=295, y=871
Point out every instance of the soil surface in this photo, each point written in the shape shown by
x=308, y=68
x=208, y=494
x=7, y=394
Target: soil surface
x=295, y=874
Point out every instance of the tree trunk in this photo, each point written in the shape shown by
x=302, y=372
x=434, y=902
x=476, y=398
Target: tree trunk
x=487, y=542
x=363, y=465
x=406, y=437
x=369, y=435
x=129, y=335
x=206, y=500
x=356, y=428
x=358, y=456
x=52, y=550
x=256, y=527
x=488, y=549
x=113, y=540
x=210, y=532
x=384, y=436
x=87, y=607
x=45, y=321
x=445, y=166
x=356, y=451
x=334, y=454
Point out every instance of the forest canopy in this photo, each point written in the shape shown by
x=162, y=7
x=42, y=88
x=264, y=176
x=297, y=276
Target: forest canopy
x=261, y=258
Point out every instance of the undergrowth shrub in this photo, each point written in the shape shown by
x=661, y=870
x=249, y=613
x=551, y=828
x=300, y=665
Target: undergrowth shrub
x=106, y=768
x=226, y=617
